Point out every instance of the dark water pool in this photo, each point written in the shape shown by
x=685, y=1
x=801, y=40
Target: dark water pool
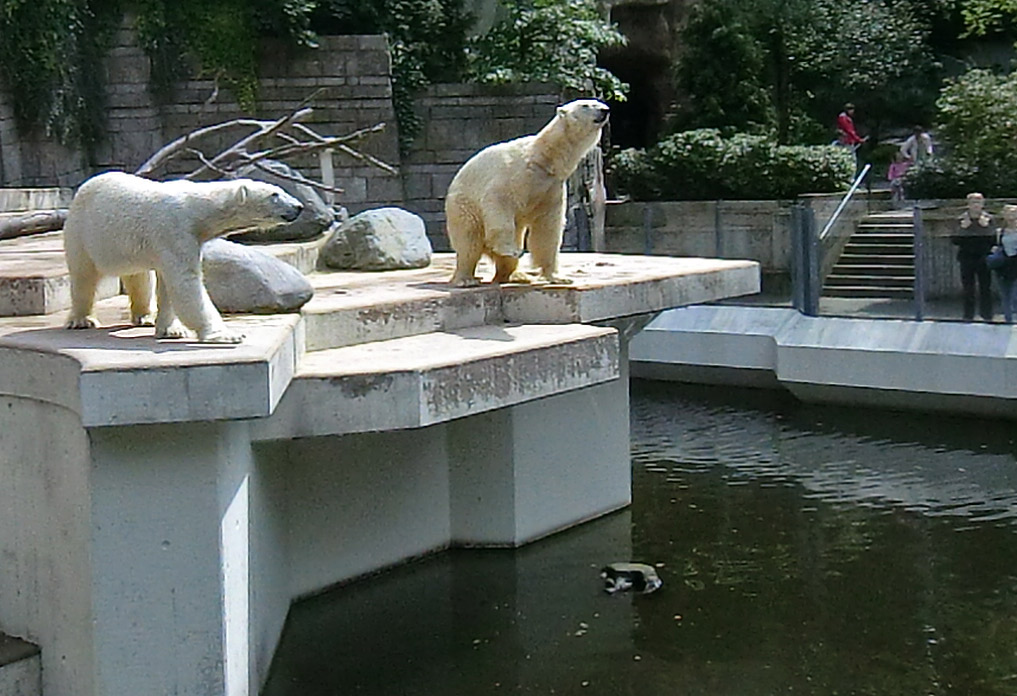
x=804, y=550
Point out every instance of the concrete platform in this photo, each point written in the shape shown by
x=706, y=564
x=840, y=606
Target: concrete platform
x=958, y=367
x=162, y=501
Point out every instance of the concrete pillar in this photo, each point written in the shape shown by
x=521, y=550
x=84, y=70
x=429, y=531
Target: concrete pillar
x=520, y=473
x=171, y=555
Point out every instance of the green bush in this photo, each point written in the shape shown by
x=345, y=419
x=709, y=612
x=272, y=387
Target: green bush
x=950, y=177
x=977, y=126
x=703, y=165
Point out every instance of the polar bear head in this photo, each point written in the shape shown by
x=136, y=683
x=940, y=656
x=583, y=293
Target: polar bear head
x=266, y=204
x=586, y=115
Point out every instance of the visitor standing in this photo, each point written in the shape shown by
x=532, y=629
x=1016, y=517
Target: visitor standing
x=918, y=146
x=846, y=133
x=847, y=136
x=974, y=240
x=1007, y=273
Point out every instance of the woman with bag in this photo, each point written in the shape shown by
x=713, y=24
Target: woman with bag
x=1006, y=269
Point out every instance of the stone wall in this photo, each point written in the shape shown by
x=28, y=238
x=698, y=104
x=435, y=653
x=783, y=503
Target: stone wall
x=755, y=230
x=459, y=120
x=355, y=72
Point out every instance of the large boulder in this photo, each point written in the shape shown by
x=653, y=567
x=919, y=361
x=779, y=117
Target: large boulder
x=241, y=279
x=314, y=219
x=382, y=239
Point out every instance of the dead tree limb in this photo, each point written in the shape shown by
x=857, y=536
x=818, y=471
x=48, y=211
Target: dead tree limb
x=36, y=222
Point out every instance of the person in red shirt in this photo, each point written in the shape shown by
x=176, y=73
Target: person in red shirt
x=846, y=133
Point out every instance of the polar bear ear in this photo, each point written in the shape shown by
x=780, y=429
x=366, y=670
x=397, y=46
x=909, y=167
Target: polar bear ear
x=242, y=193
x=563, y=112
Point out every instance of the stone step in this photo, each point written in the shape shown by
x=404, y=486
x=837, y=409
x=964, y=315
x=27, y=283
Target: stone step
x=851, y=259
x=421, y=380
x=857, y=279
x=19, y=200
x=34, y=278
x=867, y=292
x=858, y=247
x=20, y=667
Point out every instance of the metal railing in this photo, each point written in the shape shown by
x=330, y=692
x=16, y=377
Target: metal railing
x=807, y=254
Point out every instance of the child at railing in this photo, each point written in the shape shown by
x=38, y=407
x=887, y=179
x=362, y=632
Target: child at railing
x=895, y=174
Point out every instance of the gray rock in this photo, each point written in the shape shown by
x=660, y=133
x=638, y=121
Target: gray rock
x=378, y=240
x=315, y=218
x=242, y=279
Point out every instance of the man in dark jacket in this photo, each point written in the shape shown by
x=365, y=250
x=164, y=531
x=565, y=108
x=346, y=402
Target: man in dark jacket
x=974, y=240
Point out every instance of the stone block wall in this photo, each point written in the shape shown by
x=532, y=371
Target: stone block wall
x=353, y=71
x=459, y=120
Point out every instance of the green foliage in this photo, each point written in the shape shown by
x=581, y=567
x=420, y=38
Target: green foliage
x=427, y=40
x=782, y=66
x=703, y=165
x=222, y=36
x=52, y=50
x=977, y=124
x=548, y=41
x=50, y=60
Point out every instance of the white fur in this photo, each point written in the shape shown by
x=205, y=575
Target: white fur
x=514, y=191
x=124, y=225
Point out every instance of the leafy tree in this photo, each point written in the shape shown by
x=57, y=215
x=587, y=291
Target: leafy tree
x=977, y=125
x=785, y=66
x=548, y=41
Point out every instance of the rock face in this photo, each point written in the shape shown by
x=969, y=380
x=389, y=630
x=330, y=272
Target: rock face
x=240, y=279
x=315, y=218
x=379, y=240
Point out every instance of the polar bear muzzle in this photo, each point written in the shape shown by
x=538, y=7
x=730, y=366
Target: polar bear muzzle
x=289, y=205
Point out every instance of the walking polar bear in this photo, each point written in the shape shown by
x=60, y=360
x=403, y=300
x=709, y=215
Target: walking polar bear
x=124, y=225
x=514, y=191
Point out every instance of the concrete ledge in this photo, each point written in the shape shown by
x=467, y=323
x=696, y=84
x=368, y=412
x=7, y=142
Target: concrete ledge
x=351, y=307
x=34, y=278
x=17, y=200
x=422, y=380
x=947, y=366
x=126, y=377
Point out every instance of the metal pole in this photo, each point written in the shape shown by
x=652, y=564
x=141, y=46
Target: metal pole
x=811, y=248
x=718, y=241
x=919, y=287
x=648, y=229
x=797, y=259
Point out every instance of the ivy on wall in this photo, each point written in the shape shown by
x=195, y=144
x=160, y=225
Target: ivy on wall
x=50, y=60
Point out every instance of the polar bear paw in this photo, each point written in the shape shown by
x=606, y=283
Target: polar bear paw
x=81, y=323
x=142, y=320
x=470, y=282
x=221, y=336
x=173, y=330
x=555, y=280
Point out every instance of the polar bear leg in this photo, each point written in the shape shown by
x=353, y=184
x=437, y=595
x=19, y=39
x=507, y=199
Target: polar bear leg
x=505, y=270
x=545, y=241
x=166, y=323
x=139, y=289
x=84, y=280
x=466, y=235
x=192, y=304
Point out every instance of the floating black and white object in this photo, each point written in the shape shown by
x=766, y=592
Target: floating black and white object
x=637, y=577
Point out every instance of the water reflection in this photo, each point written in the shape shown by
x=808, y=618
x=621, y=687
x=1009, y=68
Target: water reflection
x=804, y=550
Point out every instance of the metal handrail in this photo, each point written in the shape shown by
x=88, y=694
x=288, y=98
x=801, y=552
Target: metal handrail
x=844, y=201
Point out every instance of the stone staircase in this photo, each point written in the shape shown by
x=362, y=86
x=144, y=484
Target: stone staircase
x=877, y=261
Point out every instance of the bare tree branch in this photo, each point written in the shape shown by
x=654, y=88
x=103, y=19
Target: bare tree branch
x=299, y=179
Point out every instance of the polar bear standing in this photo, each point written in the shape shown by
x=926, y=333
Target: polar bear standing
x=124, y=225
x=515, y=191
